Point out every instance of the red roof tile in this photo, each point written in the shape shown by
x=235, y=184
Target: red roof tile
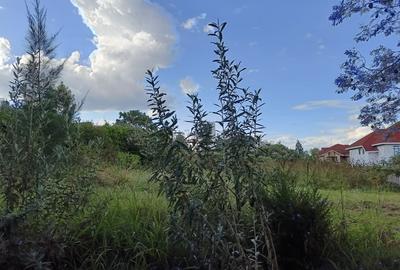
x=339, y=148
x=389, y=135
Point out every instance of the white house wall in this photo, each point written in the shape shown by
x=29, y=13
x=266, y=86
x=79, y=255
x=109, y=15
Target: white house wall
x=373, y=157
x=386, y=152
x=364, y=157
x=356, y=158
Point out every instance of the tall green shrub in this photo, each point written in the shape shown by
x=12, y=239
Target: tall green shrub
x=42, y=169
x=224, y=210
x=212, y=183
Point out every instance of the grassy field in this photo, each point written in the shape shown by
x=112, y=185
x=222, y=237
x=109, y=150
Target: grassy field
x=372, y=222
x=133, y=218
x=127, y=221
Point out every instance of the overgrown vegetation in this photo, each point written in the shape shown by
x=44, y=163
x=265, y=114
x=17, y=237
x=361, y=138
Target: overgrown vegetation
x=374, y=79
x=46, y=174
x=162, y=201
x=225, y=209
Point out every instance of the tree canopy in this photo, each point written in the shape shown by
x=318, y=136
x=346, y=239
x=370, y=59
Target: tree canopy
x=135, y=118
x=375, y=79
x=299, y=149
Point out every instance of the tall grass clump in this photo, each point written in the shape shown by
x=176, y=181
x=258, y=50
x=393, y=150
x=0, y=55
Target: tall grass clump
x=221, y=215
x=330, y=175
x=123, y=228
x=300, y=221
x=45, y=175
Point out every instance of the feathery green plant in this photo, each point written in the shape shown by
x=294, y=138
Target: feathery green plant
x=44, y=173
x=208, y=184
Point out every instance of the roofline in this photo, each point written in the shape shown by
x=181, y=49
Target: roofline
x=355, y=147
x=345, y=155
x=385, y=143
x=360, y=146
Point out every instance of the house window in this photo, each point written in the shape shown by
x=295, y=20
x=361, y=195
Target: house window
x=361, y=151
x=396, y=150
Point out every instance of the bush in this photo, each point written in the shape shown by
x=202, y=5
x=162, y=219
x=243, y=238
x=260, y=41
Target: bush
x=127, y=160
x=118, y=138
x=300, y=221
x=213, y=184
x=45, y=173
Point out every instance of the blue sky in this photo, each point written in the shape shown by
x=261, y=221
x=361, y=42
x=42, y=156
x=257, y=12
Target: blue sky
x=290, y=48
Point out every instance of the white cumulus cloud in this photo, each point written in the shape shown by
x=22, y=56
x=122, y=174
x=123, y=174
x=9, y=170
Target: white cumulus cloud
x=190, y=23
x=188, y=86
x=130, y=36
x=5, y=66
x=5, y=51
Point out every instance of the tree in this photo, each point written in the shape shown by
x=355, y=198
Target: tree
x=38, y=148
x=180, y=137
x=61, y=113
x=62, y=101
x=314, y=153
x=45, y=175
x=136, y=119
x=376, y=79
x=278, y=152
x=24, y=156
x=299, y=149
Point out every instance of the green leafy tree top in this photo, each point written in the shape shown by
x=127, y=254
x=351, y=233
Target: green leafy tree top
x=299, y=149
x=374, y=78
x=314, y=153
x=135, y=118
x=39, y=143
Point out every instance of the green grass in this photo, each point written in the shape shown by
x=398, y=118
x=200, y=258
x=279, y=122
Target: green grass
x=334, y=176
x=372, y=223
x=126, y=224
x=367, y=208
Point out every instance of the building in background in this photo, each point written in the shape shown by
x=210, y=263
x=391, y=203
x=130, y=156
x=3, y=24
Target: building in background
x=377, y=147
x=336, y=153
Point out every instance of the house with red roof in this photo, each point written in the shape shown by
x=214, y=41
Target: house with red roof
x=378, y=146
x=336, y=153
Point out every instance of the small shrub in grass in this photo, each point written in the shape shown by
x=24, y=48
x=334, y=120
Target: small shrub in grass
x=300, y=221
x=135, y=179
x=113, y=176
x=127, y=160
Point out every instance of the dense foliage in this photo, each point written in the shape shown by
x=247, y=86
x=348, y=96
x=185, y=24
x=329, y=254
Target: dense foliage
x=45, y=174
x=129, y=138
x=376, y=78
x=221, y=208
x=136, y=119
x=227, y=200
